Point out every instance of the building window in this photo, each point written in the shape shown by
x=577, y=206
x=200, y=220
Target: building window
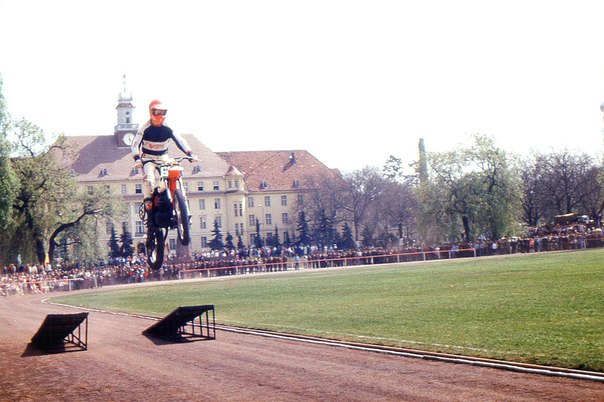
x=104, y=172
x=138, y=188
x=267, y=200
x=251, y=220
x=285, y=218
x=284, y=200
x=200, y=186
x=238, y=229
x=172, y=244
x=216, y=185
x=216, y=203
x=300, y=199
x=204, y=242
x=186, y=184
x=124, y=189
x=140, y=228
x=218, y=220
x=203, y=224
x=230, y=183
x=202, y=204
x=237, y=184
x=268, y=219
x=238, y=209
x=250, y=202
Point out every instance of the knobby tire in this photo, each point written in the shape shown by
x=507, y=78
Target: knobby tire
x=182, y=214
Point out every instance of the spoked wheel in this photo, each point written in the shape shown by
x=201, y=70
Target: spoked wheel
x=156, y=240
x=182, y=218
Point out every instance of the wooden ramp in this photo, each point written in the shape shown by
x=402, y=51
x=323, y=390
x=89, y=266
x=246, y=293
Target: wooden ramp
x=186, y=322
x=62, y=333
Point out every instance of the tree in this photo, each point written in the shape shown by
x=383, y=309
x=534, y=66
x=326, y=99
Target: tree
x=324, y=232
x=393, y=168
x=229, y=242
x=347, y=241
x=363, y=187
x=126, y=242
x=304, y=238
x=240, y=244
x=8, y=181
x=216, y=242
x=565, y=182
x=472, y=192
x=49, y=203
x=398, y=205
x=258, y=238
x=114, y=247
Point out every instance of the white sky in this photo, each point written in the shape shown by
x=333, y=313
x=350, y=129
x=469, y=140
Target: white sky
x=351, y=81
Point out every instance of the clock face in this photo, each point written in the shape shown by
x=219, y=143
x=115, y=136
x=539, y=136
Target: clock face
x=128, y=138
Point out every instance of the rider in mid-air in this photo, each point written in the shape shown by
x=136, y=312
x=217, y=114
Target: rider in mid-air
x=150, y=148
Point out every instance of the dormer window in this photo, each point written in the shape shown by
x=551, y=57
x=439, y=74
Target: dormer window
x=296, y=183
x=263, y=184
x=196, y=169
x=104, y=172
x=135, y=171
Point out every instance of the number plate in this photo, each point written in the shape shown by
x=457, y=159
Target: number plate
x=163, y=171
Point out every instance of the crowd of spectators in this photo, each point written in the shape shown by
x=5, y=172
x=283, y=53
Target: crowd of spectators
x=31, y=278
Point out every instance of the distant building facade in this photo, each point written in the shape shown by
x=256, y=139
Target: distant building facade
x=233, y=189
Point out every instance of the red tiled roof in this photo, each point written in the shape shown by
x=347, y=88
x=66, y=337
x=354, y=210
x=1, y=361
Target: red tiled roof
x=278, y=169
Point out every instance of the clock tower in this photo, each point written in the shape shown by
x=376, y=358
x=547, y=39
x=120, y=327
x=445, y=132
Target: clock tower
x=125, y=130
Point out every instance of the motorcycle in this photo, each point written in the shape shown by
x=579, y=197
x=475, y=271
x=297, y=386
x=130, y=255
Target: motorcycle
x=170, y=211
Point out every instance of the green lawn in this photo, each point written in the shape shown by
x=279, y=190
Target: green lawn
x=539, y=308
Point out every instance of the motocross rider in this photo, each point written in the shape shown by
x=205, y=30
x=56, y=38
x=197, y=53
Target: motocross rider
x=150, y=147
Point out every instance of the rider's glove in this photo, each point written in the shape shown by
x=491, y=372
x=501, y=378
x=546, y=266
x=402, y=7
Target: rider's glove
x=191, y=156
x=138, y=163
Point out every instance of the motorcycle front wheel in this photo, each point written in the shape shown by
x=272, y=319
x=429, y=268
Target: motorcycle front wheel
x=182, y=218
x=156, y=241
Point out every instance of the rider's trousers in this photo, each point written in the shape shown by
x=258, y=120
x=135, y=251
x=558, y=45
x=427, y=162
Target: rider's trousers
x=150, y=173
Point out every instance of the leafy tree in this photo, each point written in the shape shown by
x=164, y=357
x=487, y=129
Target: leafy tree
x=472, y=192
x=48, y=201
x=8, y=181
x=216, y=243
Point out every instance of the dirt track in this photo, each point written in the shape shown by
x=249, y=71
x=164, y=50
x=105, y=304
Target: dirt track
x=123, y=365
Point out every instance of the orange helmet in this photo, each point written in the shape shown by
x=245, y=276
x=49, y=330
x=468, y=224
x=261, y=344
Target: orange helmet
x=157, y=111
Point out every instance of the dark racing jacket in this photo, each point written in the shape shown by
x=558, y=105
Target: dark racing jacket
x=152, y=142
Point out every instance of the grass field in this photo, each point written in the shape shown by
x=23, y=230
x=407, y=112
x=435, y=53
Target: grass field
x=539, y=308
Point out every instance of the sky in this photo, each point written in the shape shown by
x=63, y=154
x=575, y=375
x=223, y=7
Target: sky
x=352, y=82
